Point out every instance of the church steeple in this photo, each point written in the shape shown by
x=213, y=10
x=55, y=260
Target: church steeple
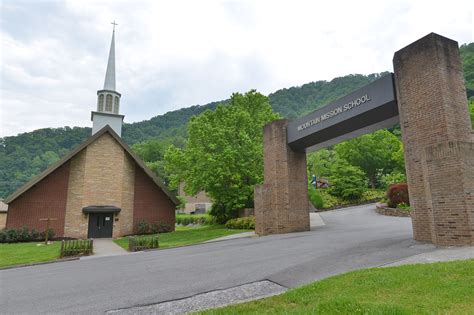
x=108, y=99
x=109, y=83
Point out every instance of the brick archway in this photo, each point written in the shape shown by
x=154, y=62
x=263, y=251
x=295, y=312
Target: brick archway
x=438, y=142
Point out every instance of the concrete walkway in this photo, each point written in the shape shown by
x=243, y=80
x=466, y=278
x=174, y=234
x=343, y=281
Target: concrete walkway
x=107, y=247
x=437, y=255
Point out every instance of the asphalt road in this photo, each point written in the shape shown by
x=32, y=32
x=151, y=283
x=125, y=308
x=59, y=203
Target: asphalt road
x=352, y=238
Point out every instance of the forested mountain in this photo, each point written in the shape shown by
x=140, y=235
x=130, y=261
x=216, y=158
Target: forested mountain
x=25, y=155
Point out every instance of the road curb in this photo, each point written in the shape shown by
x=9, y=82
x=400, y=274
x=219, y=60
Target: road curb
x=40, y=263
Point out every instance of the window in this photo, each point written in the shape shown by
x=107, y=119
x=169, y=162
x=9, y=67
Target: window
x=100, y=103
x=116, y=105
x=108, y=103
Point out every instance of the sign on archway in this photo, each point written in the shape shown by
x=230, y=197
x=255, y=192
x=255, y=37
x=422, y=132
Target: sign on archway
x=426, y=95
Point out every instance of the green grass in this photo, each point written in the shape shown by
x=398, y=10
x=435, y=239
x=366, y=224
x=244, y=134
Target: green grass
x=187, y=236
x=27, y=253
x=440, y=288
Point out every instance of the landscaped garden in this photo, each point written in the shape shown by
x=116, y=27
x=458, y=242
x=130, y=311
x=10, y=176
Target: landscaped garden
x=440, y=288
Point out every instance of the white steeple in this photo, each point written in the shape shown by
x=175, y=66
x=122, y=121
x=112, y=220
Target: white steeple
x=108, y=99
x=109, y=83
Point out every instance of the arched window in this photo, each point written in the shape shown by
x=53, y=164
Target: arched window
x=108, y=103
x=100, y=103
x=116, y=105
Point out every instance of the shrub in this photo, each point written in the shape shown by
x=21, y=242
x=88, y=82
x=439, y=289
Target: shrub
x=12, y=236
x=315, y=197
x=397, y=194
x=373, y=195
x=50, y=233
x=348, y=182
x=23, y=235
x=143, y=227
x=330, y=201
x=247, y=223
x=164, y=228
x=403, y=206
x=35, y=235
x=221, y=212
x=393, y=178
x=137, y=243
x=76, y=247
x=186, y=219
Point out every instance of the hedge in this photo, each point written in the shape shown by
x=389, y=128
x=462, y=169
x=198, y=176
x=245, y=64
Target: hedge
x=186, y=219
x=247, y=223
x=23, y=235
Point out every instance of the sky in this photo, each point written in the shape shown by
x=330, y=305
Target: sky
x=174, y=54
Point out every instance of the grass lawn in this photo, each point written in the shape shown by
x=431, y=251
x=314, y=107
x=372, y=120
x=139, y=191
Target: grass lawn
x=26, y=253
x=440, y=288
x=186, y=236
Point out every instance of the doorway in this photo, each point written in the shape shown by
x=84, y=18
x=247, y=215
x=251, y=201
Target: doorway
x=100, y=225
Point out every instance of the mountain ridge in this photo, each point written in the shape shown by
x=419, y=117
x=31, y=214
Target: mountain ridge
x=27, y=154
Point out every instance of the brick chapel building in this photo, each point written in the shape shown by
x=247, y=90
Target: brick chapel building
x=101, y=188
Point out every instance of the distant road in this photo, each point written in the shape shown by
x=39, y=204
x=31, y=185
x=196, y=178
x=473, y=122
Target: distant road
x=352, y=238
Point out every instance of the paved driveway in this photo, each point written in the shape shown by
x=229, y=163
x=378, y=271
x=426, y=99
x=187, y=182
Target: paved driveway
x=352, y=238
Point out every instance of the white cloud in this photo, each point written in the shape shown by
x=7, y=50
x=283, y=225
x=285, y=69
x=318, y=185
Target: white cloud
x=172, y=54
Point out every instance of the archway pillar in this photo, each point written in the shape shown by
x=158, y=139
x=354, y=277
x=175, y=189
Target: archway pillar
x=281, y=203
x=438, y=142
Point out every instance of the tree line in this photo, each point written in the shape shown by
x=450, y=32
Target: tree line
x=27, y=154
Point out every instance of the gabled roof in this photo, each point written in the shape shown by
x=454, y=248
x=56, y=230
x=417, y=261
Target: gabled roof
x=78, y=149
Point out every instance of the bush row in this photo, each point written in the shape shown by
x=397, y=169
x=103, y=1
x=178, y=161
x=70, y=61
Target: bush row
x=23, y=235
x=186, y=219
x=144, y=227
x=322, y=199
x=247, y=223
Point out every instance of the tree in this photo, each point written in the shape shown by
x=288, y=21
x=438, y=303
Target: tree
x=320, y=162
x=224, y=153
x=346, y=181
x=376, y=154
x=152, y=153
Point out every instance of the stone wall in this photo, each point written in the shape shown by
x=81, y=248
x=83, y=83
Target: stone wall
x=101, y=174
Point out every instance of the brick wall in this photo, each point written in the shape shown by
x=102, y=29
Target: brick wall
x=150, y=203
x=47, y=199
x=281, y=203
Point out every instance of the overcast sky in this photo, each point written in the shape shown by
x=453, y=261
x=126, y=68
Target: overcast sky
x=174, y=54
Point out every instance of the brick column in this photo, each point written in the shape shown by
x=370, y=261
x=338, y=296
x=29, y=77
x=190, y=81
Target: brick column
x=281, y=203
x=436, y=133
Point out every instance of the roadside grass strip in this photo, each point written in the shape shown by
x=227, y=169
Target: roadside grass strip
x=28, y=253
x=187, y=236
x=439, y=288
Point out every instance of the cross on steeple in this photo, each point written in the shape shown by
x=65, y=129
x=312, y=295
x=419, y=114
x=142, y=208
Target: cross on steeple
x=113, y=23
